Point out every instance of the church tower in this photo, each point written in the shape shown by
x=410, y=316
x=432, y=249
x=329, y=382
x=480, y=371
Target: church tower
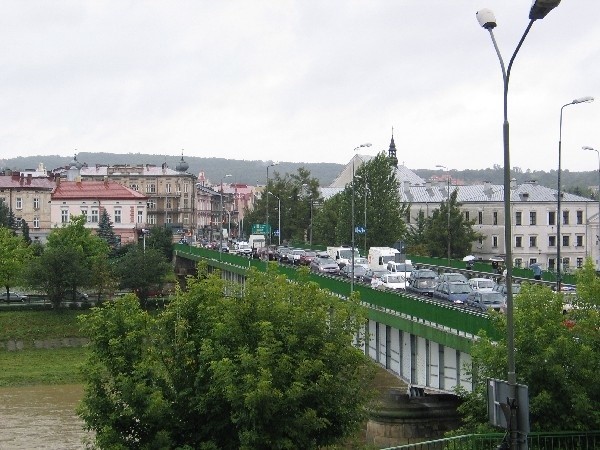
x=392, y=152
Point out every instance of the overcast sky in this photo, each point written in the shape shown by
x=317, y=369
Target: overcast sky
x=302, y=81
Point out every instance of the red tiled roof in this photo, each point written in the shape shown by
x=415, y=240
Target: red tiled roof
x=94, y=189
x=10, y=182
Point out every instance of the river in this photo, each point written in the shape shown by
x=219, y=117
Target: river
x=41, y=417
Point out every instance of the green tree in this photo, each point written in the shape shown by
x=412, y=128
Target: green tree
x=142, y=271
x=416, y=239
x=25, y=232
x=375, y=179
x=441, y=227
x=325, y=219
x=70, y=260
x=15, y=256
x=106, y=231
x=161, y=239
x=557, y=359
x=7, y=218
x=272, y=368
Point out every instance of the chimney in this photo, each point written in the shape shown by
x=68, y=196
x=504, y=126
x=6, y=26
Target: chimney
x=28, y=178
x=58, y=181
x=105, y=182
x=513, y=183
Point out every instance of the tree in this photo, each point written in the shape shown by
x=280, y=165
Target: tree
x=7, y=217
x=70, y=260
x=272, y=368
x=416, y=236
x=106, y=231
x=25, y=232
x=557, y=358
x=142, y=271
x=459, y=230
x=161, y=239
x=375, y=179
x=325, y=219
x=15, y=256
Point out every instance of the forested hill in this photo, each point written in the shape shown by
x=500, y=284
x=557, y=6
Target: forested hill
x=255, y=172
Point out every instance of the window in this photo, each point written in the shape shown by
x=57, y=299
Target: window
x=117, y=216
x=178, y=186
x=518, y=262
x=551, y=263
x=565, y=215
x=94, y=216
x=64, y=216
x=467, y=216
x=533, y=241
x=579, y=241
x=566, y=264
x=36, y=222
x=551, y=218
x=169, y=203
x=579, y=217
x=151, y=219
x=134, y=187
x=565, y=240
x=185, y=188
x=169, y=219
x=532, y=218
x=518, y=215
x=140, y=216
x=18, y=203
x=84, y=212
x=579, y=263
x=151, y=188
x=168, y=188
x=518, y=241
x=151, y=203
x=19, y=222
x=480, y=217
x=186, y=219
x=551, y=241
x=36, y=203
x=495, y=217
x=532, y=261
x=186, y=203
x=494, y=241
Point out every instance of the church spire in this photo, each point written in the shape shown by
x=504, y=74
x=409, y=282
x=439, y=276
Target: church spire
x=392, y=151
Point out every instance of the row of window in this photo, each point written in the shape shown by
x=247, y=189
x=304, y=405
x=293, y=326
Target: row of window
x=551, y=262
x=151, y=188
x=532, y=217
x=566, y=241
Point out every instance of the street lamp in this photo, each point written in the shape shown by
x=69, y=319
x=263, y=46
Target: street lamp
x=267, y=188
x=279, y=215
x=353, y=180
x=598, y=193
x=447, y=207
x=539, y=10
x=221, y=218
x=559, y=199
x=365, y=226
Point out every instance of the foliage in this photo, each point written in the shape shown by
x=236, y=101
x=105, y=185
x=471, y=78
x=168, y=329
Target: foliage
x=557, y=359
x=325, y=219
x=7, y=218
x=161, y=239
x=25, y=232
x=106, y=231
x=415, y=238
x=72, y=258
x=273, y=368
x=142, y=271
x=375, y=179
x=440, y=227
x=15, y=255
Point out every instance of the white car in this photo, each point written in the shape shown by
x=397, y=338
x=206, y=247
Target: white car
x=482, y=284
x=12, y=297
x=390, y=281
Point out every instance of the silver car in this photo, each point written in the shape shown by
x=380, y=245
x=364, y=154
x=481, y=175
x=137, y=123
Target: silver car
x=13, y=297
x=324, y=265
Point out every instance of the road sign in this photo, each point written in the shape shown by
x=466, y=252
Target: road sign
x=276, y=233
x=360, y=230
x=260, y=228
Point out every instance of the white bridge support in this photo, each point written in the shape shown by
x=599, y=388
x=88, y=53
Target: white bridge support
x=422, y=363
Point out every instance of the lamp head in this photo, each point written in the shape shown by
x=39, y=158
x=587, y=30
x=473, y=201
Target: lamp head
x=540, y=8
x=486, y=18
x=585, y=147
x=583, y=100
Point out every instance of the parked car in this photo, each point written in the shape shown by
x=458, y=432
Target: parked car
x=485, y=300
x=346, y=271
x=516, y=288
x=360, y=261
x=372, y=274
x=422, y=281
x=482, y=284
x=13, y=297
x=392, y=281
x=324, y=265
x=453, y=291
x=295, y=255
x=283, y=254
x=452, y=276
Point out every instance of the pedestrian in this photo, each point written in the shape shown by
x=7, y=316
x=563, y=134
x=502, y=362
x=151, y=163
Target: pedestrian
x=537, y=271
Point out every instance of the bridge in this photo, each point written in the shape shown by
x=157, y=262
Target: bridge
x=424, y=342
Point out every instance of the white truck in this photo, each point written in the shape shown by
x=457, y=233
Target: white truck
x=342, y=255
x=256, y=241
x=380, y=256
x=401, y=268
x=243, y=248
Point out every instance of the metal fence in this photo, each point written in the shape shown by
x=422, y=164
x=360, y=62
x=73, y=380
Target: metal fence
x=536, y=441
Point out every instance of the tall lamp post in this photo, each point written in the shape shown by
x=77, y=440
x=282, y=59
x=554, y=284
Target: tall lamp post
x=598, y=235
x=559, y=194
x=221, y=218
x=279, y=216
x=447, y=207
x=354, y=176
x=365, y=227
x=267, y=189
x=539, y=10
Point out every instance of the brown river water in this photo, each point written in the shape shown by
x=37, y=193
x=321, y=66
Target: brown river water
x=41, y=417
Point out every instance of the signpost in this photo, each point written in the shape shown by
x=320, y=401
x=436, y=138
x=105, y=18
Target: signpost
x=261, y=228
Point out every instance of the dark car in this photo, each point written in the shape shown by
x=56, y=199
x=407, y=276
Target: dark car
x=324, y=265
x=294, y=256
x=283, y=254
x=359, y=271
x=453, y=291
x=422, y=281
x=486, y=300
x=307, y=257
x=452, y=276
x=372, y=274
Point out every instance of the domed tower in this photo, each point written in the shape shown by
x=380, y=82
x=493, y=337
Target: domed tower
x=74, y=169
x=392, y=152
x=182, y=166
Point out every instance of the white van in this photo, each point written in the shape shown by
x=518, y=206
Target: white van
x=482, y=284
x=401, y=268
x=380, y=256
